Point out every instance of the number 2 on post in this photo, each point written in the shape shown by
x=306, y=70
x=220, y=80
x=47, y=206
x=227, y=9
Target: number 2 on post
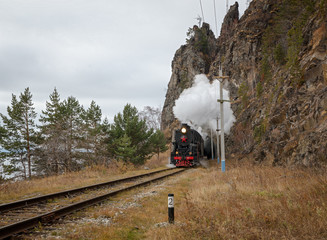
x=170, y=202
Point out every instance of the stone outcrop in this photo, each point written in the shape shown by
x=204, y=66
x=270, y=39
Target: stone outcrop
x=278, y=79
x=229, y=24
x=189, y=60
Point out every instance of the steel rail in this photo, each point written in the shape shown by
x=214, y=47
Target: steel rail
x=29, y=201
x=21, y=226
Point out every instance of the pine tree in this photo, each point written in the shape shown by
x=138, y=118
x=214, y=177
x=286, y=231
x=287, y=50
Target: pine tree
x=28, y=124
x=3, y=135
x=105, y=132
x=129, y=124
x=93, y=135
x=72, y=126
x=124, y=149
x=158, y=142
x=19, y=129
x=11, y=140
x=52, y=138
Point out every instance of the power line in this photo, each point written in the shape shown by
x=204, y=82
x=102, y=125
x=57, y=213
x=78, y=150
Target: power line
x=202, y=10
x=214, y=6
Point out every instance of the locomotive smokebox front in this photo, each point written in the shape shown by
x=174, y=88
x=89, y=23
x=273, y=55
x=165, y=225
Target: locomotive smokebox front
x=187, y=147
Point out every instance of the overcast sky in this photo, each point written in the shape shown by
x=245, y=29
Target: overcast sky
x=111, y=51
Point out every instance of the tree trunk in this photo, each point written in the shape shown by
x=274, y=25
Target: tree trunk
x=28, y=148
x=70, y=146
x=23, y=164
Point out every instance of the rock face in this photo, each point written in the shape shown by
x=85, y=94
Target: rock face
x=275, y=56
x=189, y=60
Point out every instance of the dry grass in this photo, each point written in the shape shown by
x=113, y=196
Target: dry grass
x=154, y=162
x=251, y=202
x=129, y=215
x=245, y=202
x=12, y=191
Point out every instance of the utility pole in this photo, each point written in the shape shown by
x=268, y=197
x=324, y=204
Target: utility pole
x=218, y=140
x=211, y=145
x=227, y=5
x=222, y=131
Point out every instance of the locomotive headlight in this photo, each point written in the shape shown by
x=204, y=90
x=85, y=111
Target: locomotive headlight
x=183, y=130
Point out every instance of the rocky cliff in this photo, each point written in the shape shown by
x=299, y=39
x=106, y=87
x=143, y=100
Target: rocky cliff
x=191, y=59
x=275, y=57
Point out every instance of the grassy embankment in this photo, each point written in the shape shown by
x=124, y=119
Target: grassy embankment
x=245, y=202
x=12, y=191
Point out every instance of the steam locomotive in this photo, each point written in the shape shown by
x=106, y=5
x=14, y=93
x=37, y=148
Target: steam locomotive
x=187, y=147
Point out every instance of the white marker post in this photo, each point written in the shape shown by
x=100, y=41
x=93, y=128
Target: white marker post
x=221, y=101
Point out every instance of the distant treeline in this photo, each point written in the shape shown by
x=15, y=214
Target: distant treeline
x=70, y=137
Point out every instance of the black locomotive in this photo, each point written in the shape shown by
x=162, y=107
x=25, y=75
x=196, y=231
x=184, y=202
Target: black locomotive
x=188, y=147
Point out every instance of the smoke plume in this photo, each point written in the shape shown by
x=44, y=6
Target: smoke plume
x=198, y=106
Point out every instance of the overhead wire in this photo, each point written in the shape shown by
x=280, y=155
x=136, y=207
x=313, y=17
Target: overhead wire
x=202, y=10
x=214, y=6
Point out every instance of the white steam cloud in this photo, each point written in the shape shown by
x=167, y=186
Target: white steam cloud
x=198, y=106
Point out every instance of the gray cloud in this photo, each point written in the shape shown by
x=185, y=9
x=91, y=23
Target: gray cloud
x=114, y=52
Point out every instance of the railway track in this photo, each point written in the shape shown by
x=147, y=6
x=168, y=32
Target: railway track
x=22, y=215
